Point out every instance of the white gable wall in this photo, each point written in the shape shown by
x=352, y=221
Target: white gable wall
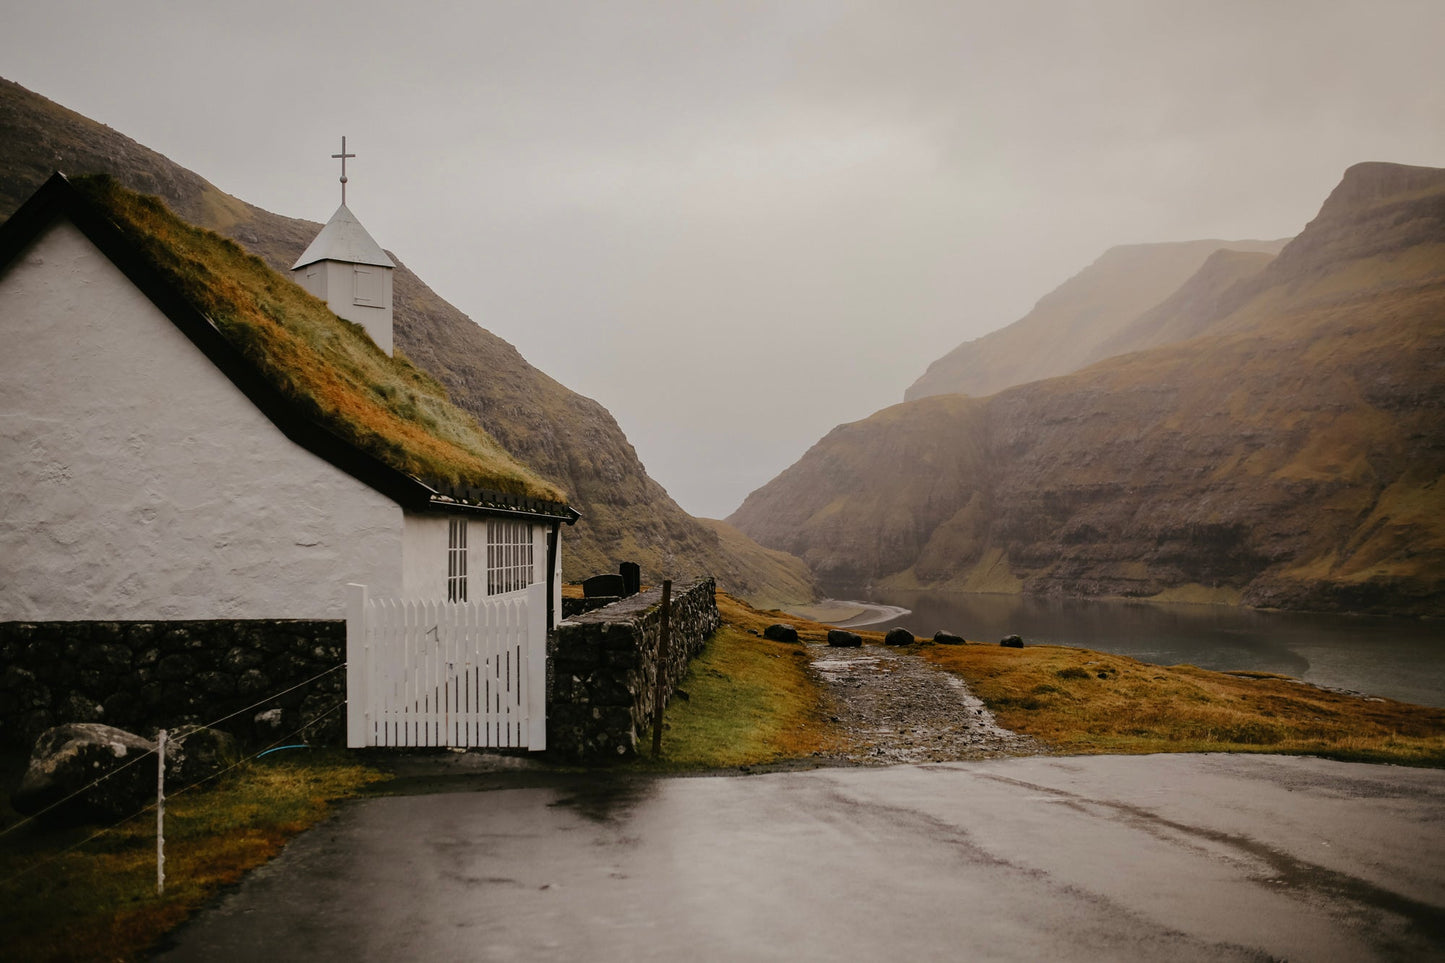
x=137, y=482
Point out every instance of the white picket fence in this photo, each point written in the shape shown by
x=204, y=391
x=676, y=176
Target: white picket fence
x=423, y=673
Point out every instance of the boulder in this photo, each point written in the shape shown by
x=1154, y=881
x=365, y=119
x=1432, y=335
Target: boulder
x=899, y=636
x=67, y=761
x=843, y=639
x=948, y=638
x=779, y=632
x=604, y=586
x=194, y=753
x=1011, y=642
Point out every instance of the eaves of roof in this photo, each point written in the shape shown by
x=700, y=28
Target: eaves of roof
x=57, y=198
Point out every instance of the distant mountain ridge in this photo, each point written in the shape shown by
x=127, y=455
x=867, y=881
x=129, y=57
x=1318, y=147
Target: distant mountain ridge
x=571, y=440
x=1070, y=325
x=1290, y=453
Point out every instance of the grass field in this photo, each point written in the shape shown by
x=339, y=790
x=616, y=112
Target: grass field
x=1080, y=701
x=752, y=701
x=84, y=894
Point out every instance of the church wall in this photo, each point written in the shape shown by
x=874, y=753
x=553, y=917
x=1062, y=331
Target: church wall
x=314, y=278
x=424, y=557
x=139, y=483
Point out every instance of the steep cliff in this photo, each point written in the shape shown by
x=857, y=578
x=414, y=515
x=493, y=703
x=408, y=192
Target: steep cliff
x=571, y=440
x=1068, y=326
x=1293, y=455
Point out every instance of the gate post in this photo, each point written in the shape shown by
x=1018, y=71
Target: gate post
x=358, y=667
x=537, y=666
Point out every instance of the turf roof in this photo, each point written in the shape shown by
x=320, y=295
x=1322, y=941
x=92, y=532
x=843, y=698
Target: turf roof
x=327, y=368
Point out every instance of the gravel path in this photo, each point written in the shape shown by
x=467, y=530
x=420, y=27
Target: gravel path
x=900, y=709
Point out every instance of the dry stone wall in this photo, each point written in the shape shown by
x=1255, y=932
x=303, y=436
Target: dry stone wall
x=602, y=668
x=140, y=676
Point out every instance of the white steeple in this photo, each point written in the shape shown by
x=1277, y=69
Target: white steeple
x=346, y=268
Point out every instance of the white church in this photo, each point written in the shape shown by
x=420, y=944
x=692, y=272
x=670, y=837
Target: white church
x=149, y=473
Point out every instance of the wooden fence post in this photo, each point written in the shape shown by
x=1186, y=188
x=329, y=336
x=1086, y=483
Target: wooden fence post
x=662, y=653
x=161, y=813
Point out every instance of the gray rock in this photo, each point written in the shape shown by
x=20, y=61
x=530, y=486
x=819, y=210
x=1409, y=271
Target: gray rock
x=843, y=639
x=1011, y=642
x=194, y=753
x=899, y=636
x=779, y=632
x=948, y=638
x=68, y=759
x=270, y=721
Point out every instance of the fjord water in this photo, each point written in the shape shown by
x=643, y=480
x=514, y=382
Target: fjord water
x=1400, y=659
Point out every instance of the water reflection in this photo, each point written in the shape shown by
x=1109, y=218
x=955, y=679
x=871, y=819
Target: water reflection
x=602, y=798
x=1396, y=658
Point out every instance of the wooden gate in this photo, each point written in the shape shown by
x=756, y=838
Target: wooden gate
x=447, y=673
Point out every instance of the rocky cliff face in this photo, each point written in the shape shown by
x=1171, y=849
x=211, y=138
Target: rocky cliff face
x=1292, y=456
x=573, y=441
x=1068, y=327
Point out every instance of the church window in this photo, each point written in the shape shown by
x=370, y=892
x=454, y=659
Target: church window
x=509, y=556
x=457, y=560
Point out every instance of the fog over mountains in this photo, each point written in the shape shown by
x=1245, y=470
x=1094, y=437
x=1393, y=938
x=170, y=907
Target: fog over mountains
x=1275, y=437
x=1092, y=315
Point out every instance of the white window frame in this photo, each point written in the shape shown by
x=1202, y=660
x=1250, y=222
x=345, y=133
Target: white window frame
x=510, y=556
x=456, y=560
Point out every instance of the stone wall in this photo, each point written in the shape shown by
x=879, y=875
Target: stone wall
x=140, y=676
x=602, y=668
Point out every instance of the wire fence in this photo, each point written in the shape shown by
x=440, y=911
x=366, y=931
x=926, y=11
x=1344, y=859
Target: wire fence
x=151, y=807
x=146, y=755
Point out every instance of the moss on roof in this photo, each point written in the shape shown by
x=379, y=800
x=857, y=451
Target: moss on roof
x=329, y=368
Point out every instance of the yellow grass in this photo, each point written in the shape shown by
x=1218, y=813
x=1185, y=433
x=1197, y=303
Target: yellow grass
x=1080, y=701
x=1076, y=701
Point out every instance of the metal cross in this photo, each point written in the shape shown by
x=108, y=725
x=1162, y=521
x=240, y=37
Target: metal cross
x=343, y=155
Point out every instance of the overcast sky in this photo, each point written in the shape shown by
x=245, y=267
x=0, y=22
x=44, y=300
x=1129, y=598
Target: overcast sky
x=737, y=225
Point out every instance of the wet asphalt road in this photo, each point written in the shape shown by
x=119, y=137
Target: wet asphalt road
x=1104, y=858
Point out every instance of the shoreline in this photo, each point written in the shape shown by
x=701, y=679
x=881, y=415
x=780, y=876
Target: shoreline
x=848, y=613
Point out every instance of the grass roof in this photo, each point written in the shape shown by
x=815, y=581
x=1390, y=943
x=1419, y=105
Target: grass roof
x=329, y=368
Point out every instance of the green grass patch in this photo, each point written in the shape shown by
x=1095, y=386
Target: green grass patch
x=750, y=701
x=98, y=900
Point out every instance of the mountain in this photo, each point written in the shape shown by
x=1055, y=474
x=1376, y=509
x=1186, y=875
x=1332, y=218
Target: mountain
x=1068, y=326
x=570, y=440
x=1291, y=454
x=1218, y=284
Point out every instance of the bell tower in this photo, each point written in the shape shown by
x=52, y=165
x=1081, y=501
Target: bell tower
x=348, y=270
